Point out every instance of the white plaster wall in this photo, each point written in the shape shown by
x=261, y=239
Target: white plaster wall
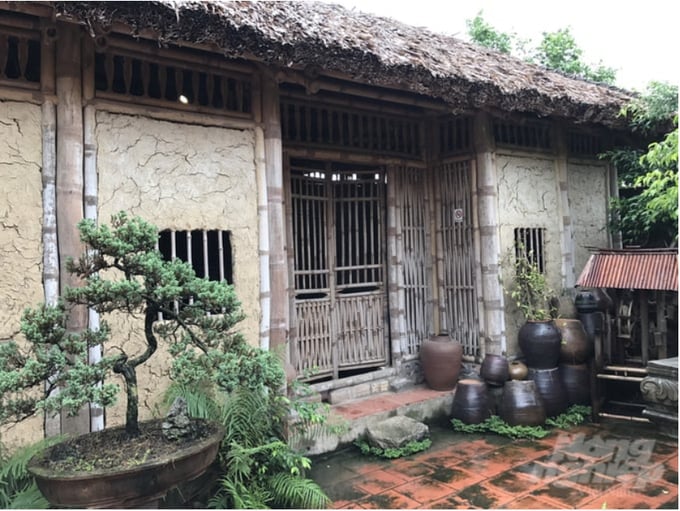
x=588, y=192
x=182, y=177
x=20, y=231
x=527, y=197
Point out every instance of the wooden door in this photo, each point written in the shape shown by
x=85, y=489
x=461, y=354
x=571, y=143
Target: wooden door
x=339, y=280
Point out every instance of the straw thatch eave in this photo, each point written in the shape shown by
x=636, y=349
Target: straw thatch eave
x=366, y=49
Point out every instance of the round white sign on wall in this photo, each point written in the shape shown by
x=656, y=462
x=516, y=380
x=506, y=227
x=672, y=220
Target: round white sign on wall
x=458, y=215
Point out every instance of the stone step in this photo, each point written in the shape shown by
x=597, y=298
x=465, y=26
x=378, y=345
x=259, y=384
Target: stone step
x=349, y=419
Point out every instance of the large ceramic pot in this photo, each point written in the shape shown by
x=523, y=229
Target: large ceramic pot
x=471, y=403
x=576, y=346
x=576, y=379
x=540, y=341
x=551, y=389
x=494, y=370
x=521, y=404
x=128, y=486
x=441, y=359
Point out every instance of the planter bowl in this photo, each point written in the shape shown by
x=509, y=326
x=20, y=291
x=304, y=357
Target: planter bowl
x=127, y=487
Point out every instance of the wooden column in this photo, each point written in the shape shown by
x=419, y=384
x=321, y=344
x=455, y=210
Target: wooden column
x=567, y=238
x=49, y=186
x=278, y=272
x=70, y=179
x=394, y=269
x=263, y=220
x=489, y=236
x=90, y=186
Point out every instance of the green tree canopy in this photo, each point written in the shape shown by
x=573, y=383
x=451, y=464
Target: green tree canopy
x=646, y=212
x=557, y=50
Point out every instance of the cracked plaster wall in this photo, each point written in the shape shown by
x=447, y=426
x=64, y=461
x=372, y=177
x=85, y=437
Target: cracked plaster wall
x=20, y=231
x=588, y=189
x=527, y=197
x=180, y=177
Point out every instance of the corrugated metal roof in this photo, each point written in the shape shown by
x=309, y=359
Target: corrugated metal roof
x=655, y=269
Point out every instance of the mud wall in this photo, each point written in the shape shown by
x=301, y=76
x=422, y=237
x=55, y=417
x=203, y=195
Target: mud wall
x=180, y=177
x=20, y=231
x=527, y=197
x=588, y=185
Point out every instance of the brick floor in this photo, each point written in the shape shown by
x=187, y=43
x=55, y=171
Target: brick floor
x=592, y=466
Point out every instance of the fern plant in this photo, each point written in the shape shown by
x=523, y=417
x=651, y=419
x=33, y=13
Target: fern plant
x=259, y=469
x=17, y=487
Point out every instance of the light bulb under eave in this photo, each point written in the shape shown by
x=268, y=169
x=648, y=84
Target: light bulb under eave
x=183, y=99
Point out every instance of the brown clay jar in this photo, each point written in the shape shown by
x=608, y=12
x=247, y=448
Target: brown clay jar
x=441, y=360
x=518, y=370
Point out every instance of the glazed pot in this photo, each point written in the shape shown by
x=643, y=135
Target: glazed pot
x=471, y=403
x=577, y=347
x=576, y=380
x=540, y=342
x=518, y=370
x=131, y=486
x=521, y=404
x=441, y=359
x=551, y=389
x=494, y=370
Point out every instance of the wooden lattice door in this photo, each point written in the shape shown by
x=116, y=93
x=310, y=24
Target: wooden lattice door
x=338, y=239
x=456, y=257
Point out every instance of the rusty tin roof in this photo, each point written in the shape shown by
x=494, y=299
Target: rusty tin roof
x=655, y=269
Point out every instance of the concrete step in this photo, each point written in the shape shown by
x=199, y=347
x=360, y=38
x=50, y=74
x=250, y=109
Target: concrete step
x=348, y=419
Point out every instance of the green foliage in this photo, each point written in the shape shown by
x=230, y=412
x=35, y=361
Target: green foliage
x=259, y=469
x=495, y=424
x=653, y=109
x=484, y=34
x=138, y=282
x=557, y=50
x=393, y=452
x=574, y=415
x=529, y=289
x=18, y=489
x=646, y=212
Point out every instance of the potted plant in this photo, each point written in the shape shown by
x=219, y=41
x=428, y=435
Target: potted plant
x=121, y=272
x=539, y=339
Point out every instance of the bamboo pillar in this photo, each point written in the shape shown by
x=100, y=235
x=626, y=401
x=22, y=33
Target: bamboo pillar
x=90, y=184
x=70, y=178
x=49, y=187
x=564, y=213
x=478, y=256
x=263, y=223
x=489, y=235
x=394, y=267
x=273, y=153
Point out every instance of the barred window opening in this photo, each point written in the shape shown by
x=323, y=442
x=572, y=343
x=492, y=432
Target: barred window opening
x=530, y=244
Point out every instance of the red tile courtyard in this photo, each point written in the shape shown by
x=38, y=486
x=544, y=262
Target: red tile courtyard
x=614, y=465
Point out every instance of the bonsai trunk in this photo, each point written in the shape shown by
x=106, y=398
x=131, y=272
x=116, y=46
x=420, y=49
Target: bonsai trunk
x=127, y=368
x=132, y=412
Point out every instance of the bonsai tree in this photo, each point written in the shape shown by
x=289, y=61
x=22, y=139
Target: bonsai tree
x=121, y=271
x=530, y=290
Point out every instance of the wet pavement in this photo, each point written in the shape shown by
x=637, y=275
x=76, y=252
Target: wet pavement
x=593, y=466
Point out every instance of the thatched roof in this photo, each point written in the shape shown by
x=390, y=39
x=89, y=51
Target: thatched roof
x=364, y=48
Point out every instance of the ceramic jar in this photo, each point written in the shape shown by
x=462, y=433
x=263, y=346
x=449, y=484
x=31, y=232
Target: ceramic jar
x=540, y=342
x=494, y=370
x=441, y=360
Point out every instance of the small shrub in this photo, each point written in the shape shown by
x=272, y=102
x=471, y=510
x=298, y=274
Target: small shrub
x=396, y=452
x=575, y=414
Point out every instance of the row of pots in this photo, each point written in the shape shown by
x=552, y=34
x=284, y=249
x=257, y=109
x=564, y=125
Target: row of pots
x=557, y=374
x=546, y=393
